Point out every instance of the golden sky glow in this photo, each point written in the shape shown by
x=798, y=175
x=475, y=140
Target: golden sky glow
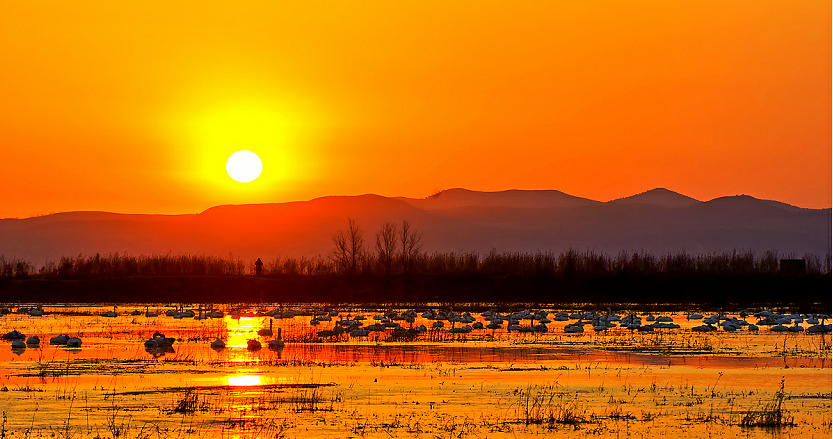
x=135, y=108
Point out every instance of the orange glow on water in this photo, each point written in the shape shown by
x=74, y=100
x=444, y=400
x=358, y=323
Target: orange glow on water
x=244, y=380
x=324, y=388
x=241, y=330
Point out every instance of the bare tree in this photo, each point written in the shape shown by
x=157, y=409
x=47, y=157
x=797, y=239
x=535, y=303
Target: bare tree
x=410, y=242
x=349, y=247
x=340, y=256
x=386, y=246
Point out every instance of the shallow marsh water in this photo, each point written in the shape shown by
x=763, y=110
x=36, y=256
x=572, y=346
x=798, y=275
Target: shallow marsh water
x=482, y=384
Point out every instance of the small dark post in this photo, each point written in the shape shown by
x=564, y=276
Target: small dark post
x=258, y=267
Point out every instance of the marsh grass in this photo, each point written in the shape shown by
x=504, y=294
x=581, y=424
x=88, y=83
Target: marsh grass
x=309, y=399
x=81, y=366
x=189, y=403
x=255, y=428
x=607, y=402
x=770, y=414
x=118, y=426
x=544, y=404
x=253, y=399
x=662, y=341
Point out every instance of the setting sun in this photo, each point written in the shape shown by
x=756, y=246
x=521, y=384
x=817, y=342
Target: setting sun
x=396, y=219
x=244, y=166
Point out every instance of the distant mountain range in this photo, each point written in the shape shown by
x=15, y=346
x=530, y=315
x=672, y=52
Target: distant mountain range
x=458, y=220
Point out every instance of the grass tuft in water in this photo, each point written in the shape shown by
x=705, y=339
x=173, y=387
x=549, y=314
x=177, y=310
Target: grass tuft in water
x=770, y=415
x=545, y=405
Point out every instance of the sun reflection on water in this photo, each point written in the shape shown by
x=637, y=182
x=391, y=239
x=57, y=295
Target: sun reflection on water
x=244, y=380
x=241, y=329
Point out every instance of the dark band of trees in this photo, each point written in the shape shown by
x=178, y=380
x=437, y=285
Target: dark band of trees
x=397, y=250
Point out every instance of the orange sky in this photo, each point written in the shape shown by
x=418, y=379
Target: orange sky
x=135, y=108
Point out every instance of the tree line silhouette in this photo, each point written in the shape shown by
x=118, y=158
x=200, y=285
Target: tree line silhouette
x=397, y=251
x=390, y=267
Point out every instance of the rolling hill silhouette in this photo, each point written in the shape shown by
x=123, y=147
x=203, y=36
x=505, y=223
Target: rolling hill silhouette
x=534, y=199
x=459, y=220
x=659, y=197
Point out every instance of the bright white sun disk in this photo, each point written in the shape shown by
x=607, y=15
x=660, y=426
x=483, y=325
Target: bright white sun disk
x=244, y=166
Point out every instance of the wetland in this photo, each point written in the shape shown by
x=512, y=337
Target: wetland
x=526, y=377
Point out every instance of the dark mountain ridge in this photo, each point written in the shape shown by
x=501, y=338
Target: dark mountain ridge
x=657, y=221
x=658, y=196
x=458, y=197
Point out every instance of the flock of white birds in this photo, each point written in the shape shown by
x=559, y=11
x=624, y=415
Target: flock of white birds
x=393, y=321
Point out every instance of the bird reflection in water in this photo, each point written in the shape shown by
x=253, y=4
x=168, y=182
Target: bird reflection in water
x=159, y=350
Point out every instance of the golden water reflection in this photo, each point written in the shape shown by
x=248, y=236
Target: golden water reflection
x=242, y=329
x=654, y=382
x=244, y=380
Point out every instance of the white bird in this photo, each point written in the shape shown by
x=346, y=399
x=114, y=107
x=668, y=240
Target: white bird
x=218, y=345
x=779, y=328
x=18, y=344
x=463, y=330
x=110, y=313
x=253, y=345
x=796, y=328
x=574, y=328
x=704, y=328
x=33, y=340
x=358, y=333
x=150, y=314
x=276, y=345
x=266, y=332
x=59, y=339
x=158, y=341
x=278, y=342
x=14, y=335
x=74, y=342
